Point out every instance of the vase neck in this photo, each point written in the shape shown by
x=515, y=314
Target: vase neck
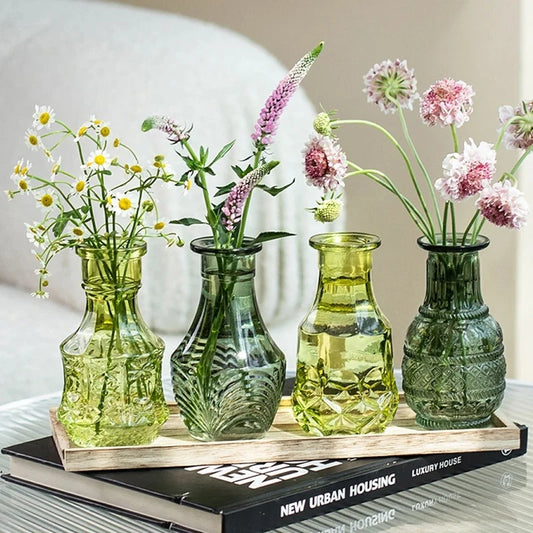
x=453, y=282
x=344, y=277
x=111, y=278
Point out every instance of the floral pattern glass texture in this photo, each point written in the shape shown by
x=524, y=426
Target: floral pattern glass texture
x=453, y=367
x=227, y=373
x=344, y=378
x=112, y=394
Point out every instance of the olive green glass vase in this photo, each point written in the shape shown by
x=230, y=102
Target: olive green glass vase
x=112, y=392
x=453, y=367
x=227, y=373
x=344, y=377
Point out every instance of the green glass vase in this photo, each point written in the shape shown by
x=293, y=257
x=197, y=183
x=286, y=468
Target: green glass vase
x=227, y=373
x=112, y=392
x=453, y=366
x=344, y=377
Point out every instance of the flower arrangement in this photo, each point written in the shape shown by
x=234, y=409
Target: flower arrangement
x=471, y=172
x=227, y=219
x=105, y=203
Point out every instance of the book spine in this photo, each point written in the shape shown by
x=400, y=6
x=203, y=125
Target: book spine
x=405, y=473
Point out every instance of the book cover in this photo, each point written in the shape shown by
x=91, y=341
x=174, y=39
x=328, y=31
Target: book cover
x=240, y=497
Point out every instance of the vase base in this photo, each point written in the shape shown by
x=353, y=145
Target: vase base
x=452, y=424
x=231, y=437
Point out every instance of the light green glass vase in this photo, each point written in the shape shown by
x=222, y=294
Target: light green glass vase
x=227, y=373
x=112, y=392
x=453, y=367
x=344, y=377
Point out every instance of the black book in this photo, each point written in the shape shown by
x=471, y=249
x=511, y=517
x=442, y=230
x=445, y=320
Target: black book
x=240, y=497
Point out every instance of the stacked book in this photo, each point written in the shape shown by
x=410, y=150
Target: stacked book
x=256, y=485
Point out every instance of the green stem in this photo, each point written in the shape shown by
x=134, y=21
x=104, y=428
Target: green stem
x=470, y=225
x=454, y=228
x=454, y=137
x=420, y=164
x=242, y=224
x=404, y=156
x=444, y=235
x=207, y=201
x=383, y=180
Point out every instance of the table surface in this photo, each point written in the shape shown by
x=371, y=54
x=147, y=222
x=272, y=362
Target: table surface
x=496, y=498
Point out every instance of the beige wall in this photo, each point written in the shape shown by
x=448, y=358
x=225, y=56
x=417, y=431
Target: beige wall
x=474, y=40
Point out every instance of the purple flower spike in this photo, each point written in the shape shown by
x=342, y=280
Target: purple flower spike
x=237, y=197
x=174, y=131
x=267, y=124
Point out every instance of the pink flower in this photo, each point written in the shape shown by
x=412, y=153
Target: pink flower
x=519, y=134
x=238, y=195
x=325, y=163
x=267, y=123
x=389, y=82
x=174, y=131
x=468, y=173
x=503, y=205
x=447, y=102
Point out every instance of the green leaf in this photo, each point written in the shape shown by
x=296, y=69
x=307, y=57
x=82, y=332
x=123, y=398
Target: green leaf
x=187, y=221
x=274, y=191
x=225, y=189
x=223, y=152
x=59, y=226
x=241, y=172
x=271, y=235
x=198, y=181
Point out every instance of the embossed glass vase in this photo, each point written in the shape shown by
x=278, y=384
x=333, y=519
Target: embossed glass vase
x=453, y=366
x=227, y=373
x=344, y=378
x=112, y=392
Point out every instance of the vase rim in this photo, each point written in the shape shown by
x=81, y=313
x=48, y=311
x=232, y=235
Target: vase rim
x=138, y=246
x=206, y=245
x=345, y=239
x=481, y=243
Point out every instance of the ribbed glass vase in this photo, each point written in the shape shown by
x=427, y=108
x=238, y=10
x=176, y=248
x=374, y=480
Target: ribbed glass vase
x=112, y=392
x=227, y=373
x=344, y=377
x=453, y=366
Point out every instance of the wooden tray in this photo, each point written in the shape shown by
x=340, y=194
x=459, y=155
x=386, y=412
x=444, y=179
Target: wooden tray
x=285, y=441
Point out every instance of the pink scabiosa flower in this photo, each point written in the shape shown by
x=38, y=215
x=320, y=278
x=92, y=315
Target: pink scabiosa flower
x=503, y=205
x=324, y=163
x=447, y=102
x=519, y=134
x=267, y=123
x=175, y=132
x=389, y=82
x=468, y=173
x=234, y=204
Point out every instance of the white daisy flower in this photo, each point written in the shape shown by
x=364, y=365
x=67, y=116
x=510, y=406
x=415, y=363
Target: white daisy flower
x=45, y=198
x=160, y=224
x=79, y=185
x=100, y=126
x=40, y=294
x=33, y=141
x=55, y=169
x=43, y=117
x=82, y=131
x=98, y=160
x=35, y=234
x=122, y=204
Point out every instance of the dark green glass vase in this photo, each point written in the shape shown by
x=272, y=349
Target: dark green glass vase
x=227, y=373
x=112, y=392
x=453, y=366
x=344, y=377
